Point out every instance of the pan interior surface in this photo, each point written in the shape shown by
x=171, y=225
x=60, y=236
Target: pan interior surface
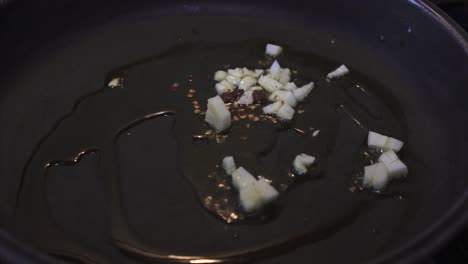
x=57, y=98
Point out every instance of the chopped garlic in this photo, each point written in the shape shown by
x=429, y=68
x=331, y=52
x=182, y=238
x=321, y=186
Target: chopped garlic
x=220, y=75
x=247, y=82
x=340, y=71
x=269, y=83
x=301, y=93
x=285, y=76
x=246, y=98
x=273, y=50
x=376, y=176
x=394, y=144
x=228, y=165
x=280, y=109
x=237, y=72
x=285, y=112
x=302, y=161
x=254, y=197
x=220, y=89
x=115, y=82
x=272, y=108
x=289, y=86
x=395, y=167
x=217, y=115
x=247, y=72
x=233, y=79
x=259, y=72
x=316, y=133
x=253, y=193
x=242, y=178
x=388, y=157
x=250, y=199
x=379, y=141
x=256, y=88
x=266, y=192
x=224, y=87
x=275, y=70
x=376, y=140
x=286, y=96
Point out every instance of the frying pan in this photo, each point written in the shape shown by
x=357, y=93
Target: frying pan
x=56, y=54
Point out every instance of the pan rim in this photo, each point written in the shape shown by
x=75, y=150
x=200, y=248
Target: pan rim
x=416, y=249
x=447, y=226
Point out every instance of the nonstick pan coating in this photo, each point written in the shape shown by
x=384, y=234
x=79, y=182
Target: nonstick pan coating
x=414, y=55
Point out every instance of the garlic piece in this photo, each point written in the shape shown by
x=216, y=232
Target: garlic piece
x=250, y=199
x=229, y=165
x=285, y=76
x=247, y=82
x=395, y=167
x=375, y=176
x=259, y=72
x=116, y=82
x=234, y=80
x=301, y=93
x=286, y=96
x=224, y=87
x=266, y=192
x=269, y=83
x=254, y=73
x=217, y=114
x=242, y=178
x=275, y=70
x=246, y=98
x=237, y=72
x=285, y=112
x=253, y=193
x=290, y=86
x=256, y=88
x=340, y=71
x=273, y=50
x=272, y=108
x=219, y=76
x=379, y=141
x=302, y=162
x=388, y=157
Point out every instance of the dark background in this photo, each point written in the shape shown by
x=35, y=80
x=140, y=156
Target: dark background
x=457, y=250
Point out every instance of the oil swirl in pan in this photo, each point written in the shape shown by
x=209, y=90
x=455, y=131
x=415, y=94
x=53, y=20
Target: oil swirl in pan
x=158, y=179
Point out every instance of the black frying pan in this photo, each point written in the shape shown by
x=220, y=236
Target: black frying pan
x=57, y=56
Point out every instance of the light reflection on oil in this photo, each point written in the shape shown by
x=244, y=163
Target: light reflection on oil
x=204, y=261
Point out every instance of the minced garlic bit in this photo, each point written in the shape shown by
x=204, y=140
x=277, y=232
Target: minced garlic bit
x=253, y=194
x=274, y=84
